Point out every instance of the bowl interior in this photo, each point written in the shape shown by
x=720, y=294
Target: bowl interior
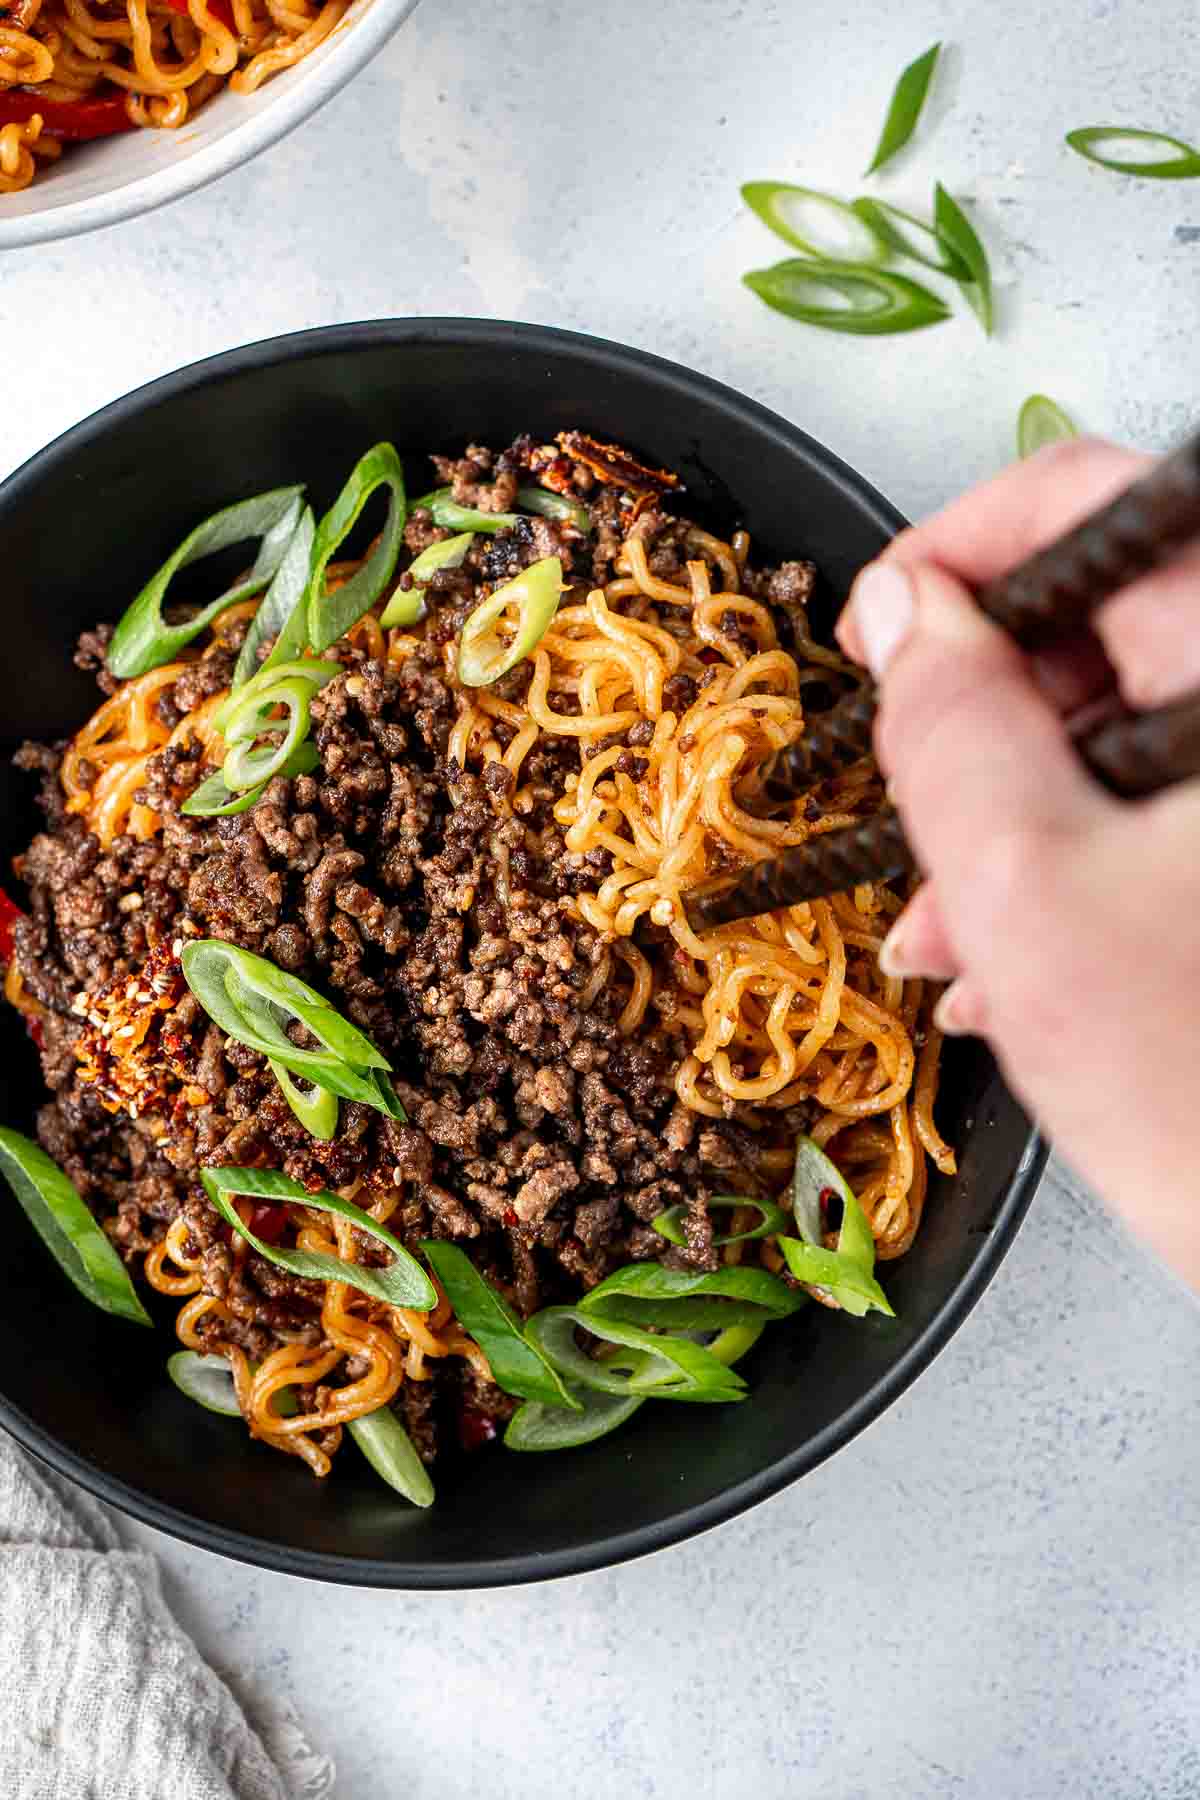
x=80, y=528
x=117, y=177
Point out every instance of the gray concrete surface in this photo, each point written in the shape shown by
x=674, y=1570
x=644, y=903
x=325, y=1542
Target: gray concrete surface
x=992, y=1592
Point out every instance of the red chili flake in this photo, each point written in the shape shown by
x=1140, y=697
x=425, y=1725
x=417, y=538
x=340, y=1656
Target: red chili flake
x=268, y=1221
x=826, y=1195
x=510, y=1217
x=36, y=1030
x=475, y=1428
x=10, y=912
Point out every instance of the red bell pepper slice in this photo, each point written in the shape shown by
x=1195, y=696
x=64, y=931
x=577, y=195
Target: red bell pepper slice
x=76, y=120
x=220, y=9
x=10, y=912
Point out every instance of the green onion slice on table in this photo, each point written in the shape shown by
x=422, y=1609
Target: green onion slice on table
x=536, y=1427
x=677, y=1368
x=445, y=511
x=1132, y=152
x=906, y=235
x=559, y=507
x=407, y=605
x=863, y=301
x=818, y=223
x=143, y=640
x=847, y=1273
x=960, y=237
x=483, y=655
x=253, y=1002
x=518, y=1366
x=771, y=1219
x=215, y=799
x=59, y=1215
x=281, y=614
x=402, y=1283
x=904, y=109
x=647, y=1294
x=1042, y=421
x=330, y=616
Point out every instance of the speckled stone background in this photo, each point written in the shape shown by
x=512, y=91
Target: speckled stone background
x=993, y=1592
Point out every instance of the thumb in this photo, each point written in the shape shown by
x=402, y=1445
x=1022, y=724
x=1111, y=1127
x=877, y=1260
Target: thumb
x=974, y=752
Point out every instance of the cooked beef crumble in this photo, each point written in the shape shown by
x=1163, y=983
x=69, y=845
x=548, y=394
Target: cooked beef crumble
x=399, y=884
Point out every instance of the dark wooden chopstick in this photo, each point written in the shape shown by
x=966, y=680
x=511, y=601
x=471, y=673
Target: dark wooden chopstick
x=1051, y=595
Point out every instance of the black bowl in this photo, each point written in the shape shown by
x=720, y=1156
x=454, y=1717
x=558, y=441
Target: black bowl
x=79, y=526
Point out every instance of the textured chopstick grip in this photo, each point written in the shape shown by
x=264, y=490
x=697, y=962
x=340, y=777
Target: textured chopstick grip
x=875, y=850
x=1130, y=756
x=1046, y=597
x=1152, y=750
x=832, y=741
x=1055, y=592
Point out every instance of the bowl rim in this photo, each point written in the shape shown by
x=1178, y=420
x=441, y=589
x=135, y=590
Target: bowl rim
x=308, y=92
x=691, y=1521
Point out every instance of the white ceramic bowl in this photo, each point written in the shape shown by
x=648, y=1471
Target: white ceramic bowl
x=115, y=178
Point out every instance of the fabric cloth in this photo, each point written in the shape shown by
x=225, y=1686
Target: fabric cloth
x=102, y=1696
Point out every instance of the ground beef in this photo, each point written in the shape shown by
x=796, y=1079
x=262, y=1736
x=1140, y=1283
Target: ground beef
x=394, y=882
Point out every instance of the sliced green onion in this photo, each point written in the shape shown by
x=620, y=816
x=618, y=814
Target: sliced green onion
x=402, y=1283
x=214, y=799
x=649, y=1282
x=1154, y=154
x=770, y=1220
x=206, y=962
x=676, y=1369
x=846, y=1274
x=248, y=763
x=839, y=297
x=316, y=1108
x=282, y=614
x=959, y=236
x=253, y=1002
x=906, y=235
x=208, y=1380
x=817, y=223
x=387, y=1099
x=483, y=656
x=330, y=616
x=142, y=640
x=392, y=1454
x=555, y=506
x=407, y=605
x=244, y=704
x=908, y=97
x=536, y=1427
x=517, y=1365
x=1042, y=421
x=58, y=1214
x=731, y=1344
x=446, y=512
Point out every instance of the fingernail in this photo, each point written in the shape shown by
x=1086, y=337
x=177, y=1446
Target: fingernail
x=883, y=612
x=949, y=1015
x=891, y=952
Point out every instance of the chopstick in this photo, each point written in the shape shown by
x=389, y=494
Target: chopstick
x=1047, y=597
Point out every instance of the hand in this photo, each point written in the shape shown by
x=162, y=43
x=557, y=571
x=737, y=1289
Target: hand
x=1067, y=921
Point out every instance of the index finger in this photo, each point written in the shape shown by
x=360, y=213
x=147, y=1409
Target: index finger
x=989, y=530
